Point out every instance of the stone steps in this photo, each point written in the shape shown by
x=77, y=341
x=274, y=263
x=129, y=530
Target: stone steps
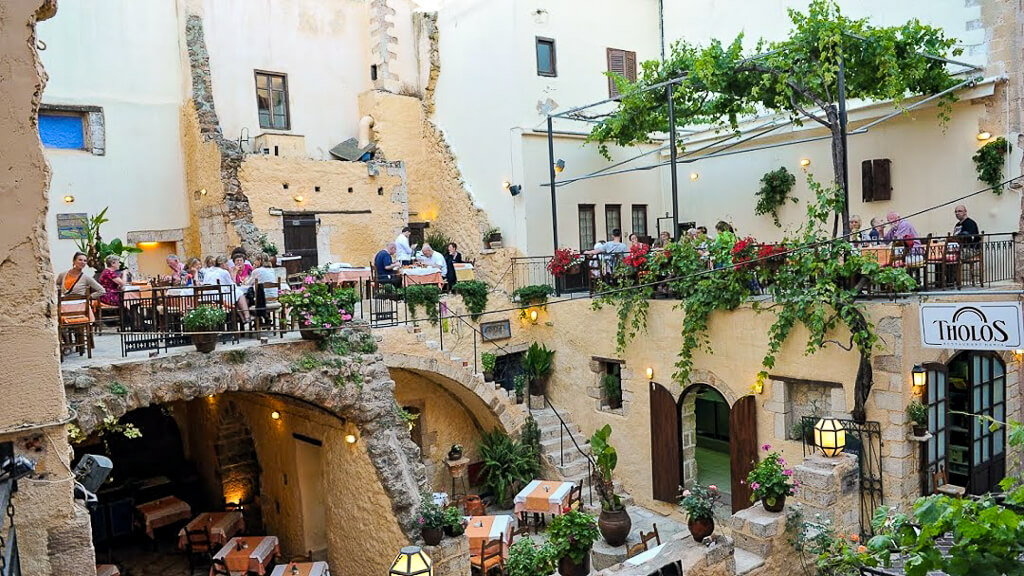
x=747, y=563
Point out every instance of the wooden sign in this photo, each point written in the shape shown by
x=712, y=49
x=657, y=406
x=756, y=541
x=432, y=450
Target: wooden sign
x=498, y=330
x=71, y=226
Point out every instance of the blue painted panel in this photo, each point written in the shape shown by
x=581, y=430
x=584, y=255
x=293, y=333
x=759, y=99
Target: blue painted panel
x=60, y=131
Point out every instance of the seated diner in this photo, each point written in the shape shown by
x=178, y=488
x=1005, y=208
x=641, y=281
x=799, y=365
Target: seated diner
x=75, y=282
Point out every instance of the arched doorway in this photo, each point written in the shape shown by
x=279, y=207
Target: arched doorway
x=704, y=437
x=972, y=454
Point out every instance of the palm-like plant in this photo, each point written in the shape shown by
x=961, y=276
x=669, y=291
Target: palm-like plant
x=506, y=461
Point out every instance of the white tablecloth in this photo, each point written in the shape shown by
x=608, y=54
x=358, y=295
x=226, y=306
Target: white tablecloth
x=645, y=556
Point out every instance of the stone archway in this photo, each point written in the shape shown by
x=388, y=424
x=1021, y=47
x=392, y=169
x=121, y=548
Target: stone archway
x=688, y=430
x=355, y=388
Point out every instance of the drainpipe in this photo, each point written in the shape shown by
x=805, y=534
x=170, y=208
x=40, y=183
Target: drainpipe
x=661, y=27
x=365, y=124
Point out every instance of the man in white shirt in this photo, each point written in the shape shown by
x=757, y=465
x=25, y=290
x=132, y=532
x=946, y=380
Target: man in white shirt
x=433, y=259
x=403, y=251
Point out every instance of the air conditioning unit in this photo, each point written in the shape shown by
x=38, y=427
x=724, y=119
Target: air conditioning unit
x=284, y=145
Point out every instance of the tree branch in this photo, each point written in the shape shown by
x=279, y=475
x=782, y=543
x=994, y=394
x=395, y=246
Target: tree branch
x=796, y=89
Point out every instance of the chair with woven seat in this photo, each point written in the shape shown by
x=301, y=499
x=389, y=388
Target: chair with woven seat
x=268, y=307
x=75, y=321
x=490, y=557
x=523, y=528
x=576, y=495
x=940, y=480
x=197, y=547
x=972, y=260
x=645, y=538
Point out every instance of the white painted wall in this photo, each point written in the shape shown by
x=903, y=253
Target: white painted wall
x=488, y=93
x=123, y=56
x=321, y=46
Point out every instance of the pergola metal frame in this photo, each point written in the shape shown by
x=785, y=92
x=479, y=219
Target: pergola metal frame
x=669, y=87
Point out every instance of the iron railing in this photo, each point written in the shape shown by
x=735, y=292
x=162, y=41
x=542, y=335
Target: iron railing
x=10, y=562
x=562, y=431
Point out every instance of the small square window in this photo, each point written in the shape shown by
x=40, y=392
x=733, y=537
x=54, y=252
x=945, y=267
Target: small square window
x=63, y=131
x=611, y=385
x=546, y=57
x=272, y=100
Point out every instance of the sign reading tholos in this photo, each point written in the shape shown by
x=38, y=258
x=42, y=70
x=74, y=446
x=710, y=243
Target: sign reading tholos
x=972, y=325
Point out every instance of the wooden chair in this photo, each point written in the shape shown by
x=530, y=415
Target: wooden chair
x=935, y=258
x=474, y=506
x=197, y=547
x=269, y=307
x=102, y=311
x=576, y=495
x=489, y=558
x=942, y=486
x=972, y=258
x=523, y=528
x=75, y=321
x=219, y=568
x=643, y=545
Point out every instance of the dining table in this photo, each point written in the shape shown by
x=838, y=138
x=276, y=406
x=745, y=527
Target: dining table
x=348, y=275
x=301, y=569
x=421, y=275
x=544, y=497
x=248, y=554
x=163, y=512
x=482, y=529
x=221, y=527
x=464, y=271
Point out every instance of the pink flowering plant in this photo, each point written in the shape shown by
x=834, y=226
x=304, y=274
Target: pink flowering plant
x=699, y=501
x=770, y=479
x=432, y=515
x=319, y=305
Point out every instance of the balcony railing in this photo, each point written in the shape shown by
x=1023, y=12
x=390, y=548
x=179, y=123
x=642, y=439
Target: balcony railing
x=935, y=264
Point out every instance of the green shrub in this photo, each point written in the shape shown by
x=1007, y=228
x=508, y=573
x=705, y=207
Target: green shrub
x=489, y=361
x=427, y=296
x=204, y=319
x=535, y=294
x=506, y=462
x=527, y=559
x=918, y=413
x=474, y=294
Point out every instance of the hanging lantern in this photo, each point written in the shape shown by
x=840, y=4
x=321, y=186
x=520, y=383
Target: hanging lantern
x=412, y=561
x=830, y=436
x=920, y=376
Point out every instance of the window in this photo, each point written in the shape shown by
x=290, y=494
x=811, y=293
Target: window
x=612, y=219
x=72, y=128
x=587, y=227
x=640, y=219
x=611, y=385
x=623, y=63
x=272, y=100
x=546, y=57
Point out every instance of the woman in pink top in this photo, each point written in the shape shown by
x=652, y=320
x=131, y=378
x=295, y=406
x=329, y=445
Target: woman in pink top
x=242, y=269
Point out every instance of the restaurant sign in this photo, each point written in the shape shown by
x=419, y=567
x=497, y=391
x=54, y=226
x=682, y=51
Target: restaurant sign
x=972, y=325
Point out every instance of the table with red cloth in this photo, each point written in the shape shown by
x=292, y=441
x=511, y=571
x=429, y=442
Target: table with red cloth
x=221, y=527
x=245, y=554
x=483, y=529
x=163, y=512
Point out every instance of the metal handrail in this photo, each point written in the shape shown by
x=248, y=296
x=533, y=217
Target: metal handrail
x=564, y=428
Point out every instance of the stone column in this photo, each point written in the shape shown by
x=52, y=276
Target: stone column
x=450, y=557
x=762, y=542
x=830, y=488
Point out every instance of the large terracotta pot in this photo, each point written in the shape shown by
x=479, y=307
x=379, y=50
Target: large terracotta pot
x=701, y=528
x=780, y=503
x=614, y=526
x=566, y=567
x=432, y=536
x=205, y=343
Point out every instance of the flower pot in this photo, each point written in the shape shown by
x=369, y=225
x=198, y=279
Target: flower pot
x=456, y=531
x=432, y=536
x=919, y=431
x=566, y=567
x=495, y=244
x=572, y=270
x=701, y=528
x=539, y=387
x=519, y=397
x=205, y=343
x=308, y=334
x=780, y=503
x=454, y=454
x=614, y=526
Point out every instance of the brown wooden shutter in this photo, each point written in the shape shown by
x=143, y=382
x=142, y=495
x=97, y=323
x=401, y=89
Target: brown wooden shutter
x=742, y=449
x=630, y=72
x=867, y=186
x=616, y=64
x=882, y=179
x=666, y=459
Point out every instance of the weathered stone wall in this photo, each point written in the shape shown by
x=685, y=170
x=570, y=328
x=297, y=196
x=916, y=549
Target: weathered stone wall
x=830, y=491
x=355, y=388
x=763, y=533
x=329, y=188
x=54, y=534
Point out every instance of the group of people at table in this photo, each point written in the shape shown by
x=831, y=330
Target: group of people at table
x=114, y=281
x=389, y=262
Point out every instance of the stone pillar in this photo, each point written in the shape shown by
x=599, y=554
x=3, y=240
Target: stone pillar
x=383, y=46
x=451, y=556
x=761, y=542
x=830, y=487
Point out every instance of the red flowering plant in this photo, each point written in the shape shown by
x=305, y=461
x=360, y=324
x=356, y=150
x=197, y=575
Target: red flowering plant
x=743, y=251
x=637, y=256
x=563, y=260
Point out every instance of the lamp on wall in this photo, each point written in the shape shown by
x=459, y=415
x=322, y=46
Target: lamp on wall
x=275, y=415
x=68, y=199
x=559, y=166
x=920, y=376
x=830, y=436
x=350, y=438
x=533, y=315
x=412, y=561
x=694, y=176
x=299, y=198
x=650, y=373
x=805, y=162
x=982, y=136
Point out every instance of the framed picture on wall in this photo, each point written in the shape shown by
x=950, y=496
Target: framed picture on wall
x=498, y=330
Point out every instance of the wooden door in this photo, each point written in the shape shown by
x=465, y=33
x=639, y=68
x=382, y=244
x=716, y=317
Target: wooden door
x=742, y=449
x=988, y=398
x=937, y=396
x=666, y=456
x=300, y=239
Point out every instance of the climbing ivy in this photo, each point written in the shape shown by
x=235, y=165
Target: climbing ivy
x=425, y=295
x=775, y=188
x=989, y=161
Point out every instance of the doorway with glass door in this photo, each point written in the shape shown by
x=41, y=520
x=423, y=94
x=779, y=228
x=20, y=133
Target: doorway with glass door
x=964, y=447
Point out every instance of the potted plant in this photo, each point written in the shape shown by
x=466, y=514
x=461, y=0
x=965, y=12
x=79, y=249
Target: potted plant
x=432, y=520
x=519, y=384
x=918, y=414
x=319, y=308
x=565, y=261
x=474, y=295
x=506, y=463
x=533, y=295
x=611, y=385
x=456, y=452
x=454, y=522
x=488, y=361
x=207, y=319
x=771, y=481
x=614, y=522
x=527, y=559
x=572, y=535
x=537, y=366
x=803, y=429
x=699, y=504
x=492, y=238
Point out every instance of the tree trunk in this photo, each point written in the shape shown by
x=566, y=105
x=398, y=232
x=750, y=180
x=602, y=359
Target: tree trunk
x=838, y=171
x=862, y=385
